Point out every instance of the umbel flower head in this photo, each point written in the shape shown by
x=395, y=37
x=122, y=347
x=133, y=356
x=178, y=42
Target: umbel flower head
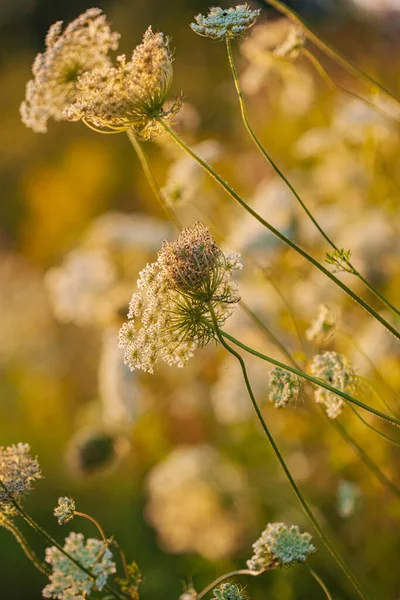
x=18, y=470
x=323, y=327
x=335, y=370
x=285, y=387
x=228, y=591
x=68, y=581
x=83, y=46
x=130, y=95
x=65, y=510
x=171, y=314
x=222, y=23
x=292, y=44
x=280, y=546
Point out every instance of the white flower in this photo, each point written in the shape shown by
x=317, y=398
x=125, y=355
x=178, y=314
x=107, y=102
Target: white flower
x=285, y=387
x=323, y=327
x=65, y=510
x=221, y=23
x=334, y=369
x=292, y=45
x=17, y=472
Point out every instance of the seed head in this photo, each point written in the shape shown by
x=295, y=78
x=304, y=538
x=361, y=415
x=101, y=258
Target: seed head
x=65, y=510
x=228, y=591
x=17, y=472
x=285, y=387
x=280, y=546
x=82, y=47
x=221, y=23
x=323, y=328
x=335, y=370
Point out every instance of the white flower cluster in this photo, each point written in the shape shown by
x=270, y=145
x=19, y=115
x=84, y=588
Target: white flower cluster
x=280, y=546
x=323, y=327
x=83, y=46
x=335, y=370
x=65, y=510
x=191, y=277
x=228, y=591
x=221, y=23
x=68, y=581
x=130, y=95
x=17, y=472
x=285, y=387
x=292, y=45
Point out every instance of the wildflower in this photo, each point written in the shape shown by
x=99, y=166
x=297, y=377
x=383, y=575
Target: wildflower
x=280, y=546
x=225, y=23
x=191, y=277
x=348, y=495
x=292, y=45
x=91, y=451
x=17, y=472
x=228, y=591
x=82, y=47
x=68, y=581
x=130, y=95
x=323, y=327
x=340, y=260
x=189, y=593
x=65, y=510
x=285, y=387
x=335, y=370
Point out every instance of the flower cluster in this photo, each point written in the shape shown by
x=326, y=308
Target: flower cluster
x=130, y=95
x=285, y=387
x=228, y=591
x=17, y=472
x=292, y=45
x=65, y=510
x=179, y=294
x=222, y=23
x=83, y=46
x=280, y=546
x=348, y=496
x=335, y=370
x=68, y=581
x=323, y=327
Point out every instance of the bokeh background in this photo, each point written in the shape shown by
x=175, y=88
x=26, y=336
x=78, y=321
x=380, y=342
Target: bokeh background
x=174, y=465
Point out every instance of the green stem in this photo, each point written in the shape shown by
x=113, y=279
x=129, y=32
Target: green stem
x=327, y=49
x=276, y=232
x=89, y=518
x=221, y=335
x=314, y=380
x=151, y=179
x=378, y=396
x=285, y=179
x=12, y=528
x=387, y=437
x=227, y=576
x=319, y=580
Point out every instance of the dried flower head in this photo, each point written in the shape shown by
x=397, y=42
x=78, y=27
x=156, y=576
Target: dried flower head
x=223, y=23
x=280, y=546
x=130, y=95
x=65, y=510
x=335, y=370
x=323, y=327
x=228, y=591
x=191, y=275
x=17, y=472
x=68, y=581
x=292, y=45
x=285, y=387
x=82, y=47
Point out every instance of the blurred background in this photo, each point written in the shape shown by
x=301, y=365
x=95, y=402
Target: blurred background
x=174, y=465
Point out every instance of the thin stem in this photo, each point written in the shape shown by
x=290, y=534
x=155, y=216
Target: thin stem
x=283, y=176
x=221, y=335
x=327, y=49
x=276, y=232
x=378, y=396
x=12, y=528
x=387, y=437
x=89, y=518
x=314, y=380
x=151, y=179
x=319, y=580
x=227, y=576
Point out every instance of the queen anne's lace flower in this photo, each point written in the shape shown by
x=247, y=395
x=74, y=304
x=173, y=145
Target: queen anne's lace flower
x=17, y=472
x=285, y=387
x=83, y=46
x=292, y=45
x=130, y=95
x=65, y=510
x=221, y=23
x=280, y=546
x=323, y=327
x=173, y=305
x=228, y=591
x=68, y=581
x=335, y=370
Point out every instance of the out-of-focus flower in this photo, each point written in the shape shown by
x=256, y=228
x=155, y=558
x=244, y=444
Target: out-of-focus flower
x=223, y=23
x=130, y=95
x=285, y=387
x=173, y=306
x=228, y=591
x=357, y=122
x=292, y=45
x=323, y=328
x=68, y=581
x=334, y=369
x=65, y=510
x=348, y=496
x=198, y=502
x=95, y=450
x=18, y=470
x=280, y=546
x=189, y=593
x=82, y=47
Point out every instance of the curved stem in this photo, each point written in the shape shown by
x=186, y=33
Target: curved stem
x=89, y=518
x=276, y=232
x=319, y=580
x=151, y=179
x=12, y=528
x=376, y=394
x=387, y=437
x=279, y=172
x=327, y=49
x=221, y=335
x=227, y=576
